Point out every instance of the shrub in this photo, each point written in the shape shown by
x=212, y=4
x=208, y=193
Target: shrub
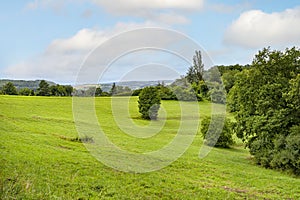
x=149, y=103
x=217, y=135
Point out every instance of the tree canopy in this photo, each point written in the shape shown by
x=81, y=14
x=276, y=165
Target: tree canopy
x=266, y=96
x=149, y=103
x=9, y=89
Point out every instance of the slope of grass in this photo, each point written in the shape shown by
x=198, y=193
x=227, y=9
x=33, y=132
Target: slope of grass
x=41, y=158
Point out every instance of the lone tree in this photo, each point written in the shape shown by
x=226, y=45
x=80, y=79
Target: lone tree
x=44, y=89
x=98, y=92
x=217, y=132
x=195, y=72
x=113, y=89
x=9, y=89
x=149, y=103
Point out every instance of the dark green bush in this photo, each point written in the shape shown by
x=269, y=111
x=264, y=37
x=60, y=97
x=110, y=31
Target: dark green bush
x=218, y=132
x=287, y=152
x=149, y=103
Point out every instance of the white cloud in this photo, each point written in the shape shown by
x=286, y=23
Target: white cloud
x=159, y=11
x=228, y=9
x=257, y=29
x=139, y=6
x=62, y=59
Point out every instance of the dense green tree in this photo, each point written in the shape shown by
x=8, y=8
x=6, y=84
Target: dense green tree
x=195, y=72
x=136, y=92
x=98, y=92
x=267, y=112
x=217, y=93
x=185, y=94
x=228, y=79
x=223, y=69
x=25, y=92
x=149, y=103
x=9, y=89
x=69, y=90
x=44, y=89
x=217, y=132
x=53, y=90
x=61, y=90
x=213, y=75
x=165, y=92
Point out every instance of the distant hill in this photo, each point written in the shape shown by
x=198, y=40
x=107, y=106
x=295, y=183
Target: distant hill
x=24, y=84
x=131, y=84
x=34, y=84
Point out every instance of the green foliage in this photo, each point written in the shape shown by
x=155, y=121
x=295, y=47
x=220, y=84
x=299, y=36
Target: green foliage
x=149, y=103
x=185, y=94
x=224, y=69
x=165, y=93
x=61, y=90
x=136, y=92
x=44, y=89
x=20, y=84
x=287, y=152
x=228, y=79
x=26, y=92
x=217, y=132
x=213, y=75
x=9, y=89
x=98, y=92
x=69, y=90
x=266, y=100
x=217, y=93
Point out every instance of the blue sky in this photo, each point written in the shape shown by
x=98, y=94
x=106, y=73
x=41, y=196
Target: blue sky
x=36, y=34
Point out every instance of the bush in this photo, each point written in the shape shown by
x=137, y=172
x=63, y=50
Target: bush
x=25, y=92
x=183, y=94
x=149, y=103
x=212, y=137
x=287, y=152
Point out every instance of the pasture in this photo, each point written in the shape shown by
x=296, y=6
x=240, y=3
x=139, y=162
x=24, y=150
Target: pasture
x=41, y=157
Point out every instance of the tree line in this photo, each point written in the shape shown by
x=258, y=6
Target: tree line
x=44, y=89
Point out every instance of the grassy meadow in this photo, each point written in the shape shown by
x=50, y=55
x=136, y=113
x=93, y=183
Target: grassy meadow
x=41, y=158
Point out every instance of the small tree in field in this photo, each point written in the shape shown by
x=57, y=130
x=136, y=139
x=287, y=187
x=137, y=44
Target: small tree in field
x=44, y=89
x=149, y=103
x=218, y=132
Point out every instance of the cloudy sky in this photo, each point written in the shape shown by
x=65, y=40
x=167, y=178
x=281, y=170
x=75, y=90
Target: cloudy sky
x=50, y=39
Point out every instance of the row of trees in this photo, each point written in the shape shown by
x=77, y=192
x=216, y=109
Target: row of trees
x=44, y=90
x=116, y=90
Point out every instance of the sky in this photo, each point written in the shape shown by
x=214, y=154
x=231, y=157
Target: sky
x=52, y=39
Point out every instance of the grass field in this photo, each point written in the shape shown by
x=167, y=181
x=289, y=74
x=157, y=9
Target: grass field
x=41, y=158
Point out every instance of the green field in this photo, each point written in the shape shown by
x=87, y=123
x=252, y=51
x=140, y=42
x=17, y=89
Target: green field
x=41, y=158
